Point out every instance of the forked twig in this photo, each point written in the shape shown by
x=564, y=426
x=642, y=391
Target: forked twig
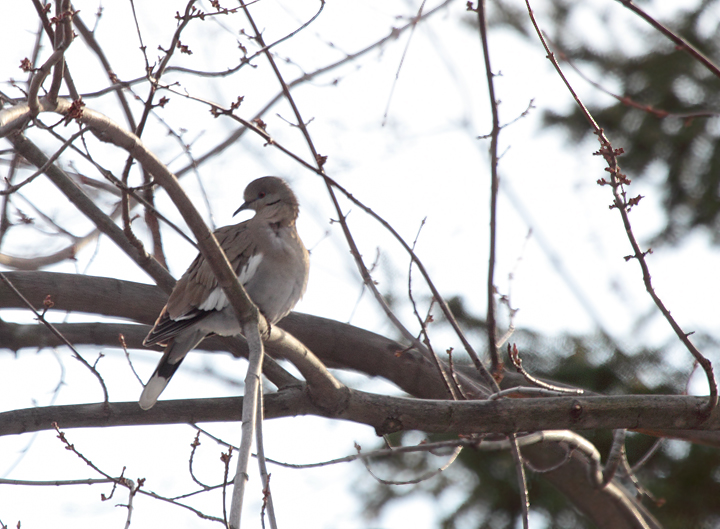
x=516, y=361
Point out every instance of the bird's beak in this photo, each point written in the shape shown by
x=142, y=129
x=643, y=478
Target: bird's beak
x=246, y=205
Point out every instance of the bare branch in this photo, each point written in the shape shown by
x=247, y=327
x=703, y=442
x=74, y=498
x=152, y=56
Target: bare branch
x=494, y=184
x=516, y=361
x=680, y=42
x=423, y=477
x=338, y=344
x=667, y=413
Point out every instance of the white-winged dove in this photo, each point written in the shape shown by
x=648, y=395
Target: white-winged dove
x=270, y=261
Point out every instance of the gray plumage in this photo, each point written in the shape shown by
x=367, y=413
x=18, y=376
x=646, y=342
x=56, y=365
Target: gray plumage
x=270, y=261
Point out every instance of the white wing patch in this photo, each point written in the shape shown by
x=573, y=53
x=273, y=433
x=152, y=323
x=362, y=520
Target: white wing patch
x=248, y=271
x=217, y=300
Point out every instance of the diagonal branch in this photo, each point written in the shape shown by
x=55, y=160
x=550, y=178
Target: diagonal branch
x=680, y=42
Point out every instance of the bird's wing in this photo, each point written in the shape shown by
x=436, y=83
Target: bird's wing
x=197, y=294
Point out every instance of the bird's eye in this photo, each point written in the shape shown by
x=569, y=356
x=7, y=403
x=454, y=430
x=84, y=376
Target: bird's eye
x=261, y=194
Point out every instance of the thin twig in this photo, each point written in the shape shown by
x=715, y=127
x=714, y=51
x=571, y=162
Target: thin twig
x=194, y=445
x=71, y=447
x=521, y=480
x=453, y=373
x=55, y=482
x=422, y=477
x=424, y=447
x=647, y=455
x=413, y=23
x=552, y=468
x=534, y=392
x=225, y=458
x=494, y=184
x=625, y=100
x=630, y=474
x=506, y=299
x=41, y=317
x=121, y=339
x=127, y=483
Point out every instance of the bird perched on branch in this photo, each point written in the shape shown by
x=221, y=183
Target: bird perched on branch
x=270, y=261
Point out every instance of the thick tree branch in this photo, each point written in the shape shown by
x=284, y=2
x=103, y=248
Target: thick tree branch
x=336, y=344
x=389, y=414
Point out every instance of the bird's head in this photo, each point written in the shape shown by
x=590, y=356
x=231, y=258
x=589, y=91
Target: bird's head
x=270, y=196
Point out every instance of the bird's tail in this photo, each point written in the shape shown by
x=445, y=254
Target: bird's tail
x=174, y=354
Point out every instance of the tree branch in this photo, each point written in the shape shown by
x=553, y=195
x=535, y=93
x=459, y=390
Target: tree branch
x=336, y=344
x=389, y=414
